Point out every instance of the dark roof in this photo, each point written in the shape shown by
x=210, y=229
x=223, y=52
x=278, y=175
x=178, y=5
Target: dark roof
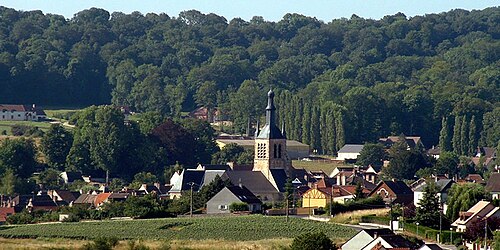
x=215, y=167
x=399, y=187
x=85, y=199
x=194, y=176
x=493, y=184
x=378, y=232
x=255, y=181
x=280, y=177
x=67, y=196
x=442, y=184
x=244, y=194
x=486, y=152
x=351, y=148
x=73, y=176
x=397, y=241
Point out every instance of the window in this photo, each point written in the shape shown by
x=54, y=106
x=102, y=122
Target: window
x=261, y=150
x=223, y=207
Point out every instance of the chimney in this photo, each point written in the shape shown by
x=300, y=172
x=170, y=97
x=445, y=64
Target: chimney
x=375, y=235
x=239, y=183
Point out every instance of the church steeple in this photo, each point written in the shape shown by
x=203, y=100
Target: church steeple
x=270, y=130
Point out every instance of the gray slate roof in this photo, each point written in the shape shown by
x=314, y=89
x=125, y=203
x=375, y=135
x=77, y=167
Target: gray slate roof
x=351, y=148
x=255, y=181
x=442, y=184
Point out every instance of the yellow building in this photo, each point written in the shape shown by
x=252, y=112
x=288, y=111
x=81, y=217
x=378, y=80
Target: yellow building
x=316, y=197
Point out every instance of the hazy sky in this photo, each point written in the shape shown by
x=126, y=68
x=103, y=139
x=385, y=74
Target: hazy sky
x=272, y=10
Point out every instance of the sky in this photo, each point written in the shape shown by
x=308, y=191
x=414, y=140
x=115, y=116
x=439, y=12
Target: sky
x=271, y=10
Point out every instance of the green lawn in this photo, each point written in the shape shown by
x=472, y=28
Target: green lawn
x=327, y=167
x=235, y=228
x=7, y=125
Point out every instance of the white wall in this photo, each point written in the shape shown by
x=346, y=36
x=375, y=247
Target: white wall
x=17, y=116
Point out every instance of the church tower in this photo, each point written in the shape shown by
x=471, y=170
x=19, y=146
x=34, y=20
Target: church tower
x=271, y=156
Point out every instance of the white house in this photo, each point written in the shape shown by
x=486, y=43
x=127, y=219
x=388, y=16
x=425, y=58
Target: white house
x=349, y=152
x=476, y=214
x=10, y=112
x=443, y=186
x=364, y=237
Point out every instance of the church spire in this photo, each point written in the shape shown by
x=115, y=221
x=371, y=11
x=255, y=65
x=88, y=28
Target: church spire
x=270, y=130
x=270, y=109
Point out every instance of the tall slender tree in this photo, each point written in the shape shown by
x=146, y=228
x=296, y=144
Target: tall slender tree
x=444, y=135
x=456, y=135
x=472, y=136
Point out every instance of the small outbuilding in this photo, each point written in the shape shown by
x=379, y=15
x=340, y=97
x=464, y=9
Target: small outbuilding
x=219, y=204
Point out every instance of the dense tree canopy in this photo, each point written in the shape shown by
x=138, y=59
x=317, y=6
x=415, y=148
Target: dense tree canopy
x=395, y=75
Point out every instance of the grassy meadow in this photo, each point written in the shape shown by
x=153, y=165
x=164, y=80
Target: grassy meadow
x=326, y=166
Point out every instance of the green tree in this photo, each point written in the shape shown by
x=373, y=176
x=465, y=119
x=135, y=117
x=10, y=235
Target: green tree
x=204, y=136
x=472, y=136
x=18, y=155
x=229, y=153
x=429, y=208
x=313, y=241
x=371, y=154
x=143, y=178
x=404, y=163
x=447, y=164
x=8, y=181
x=55, y=145
x=463, y=197
x=206, y=95
x=50, y=179
x=243, y=111
x=444, y=136
x=457, y=135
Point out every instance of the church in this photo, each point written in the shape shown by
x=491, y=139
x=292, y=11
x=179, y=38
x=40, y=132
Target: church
x=272, y=166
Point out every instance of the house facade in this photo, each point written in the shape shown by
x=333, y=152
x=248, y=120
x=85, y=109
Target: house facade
x=10, y=112
x=393, y=192
x=219, y=204
x=349, y=152
x=443, y=186
x=493, y=186
x=476, y=214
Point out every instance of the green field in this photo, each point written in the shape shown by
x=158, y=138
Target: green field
x=233, y=228
x=7, y=125
x=327, y=167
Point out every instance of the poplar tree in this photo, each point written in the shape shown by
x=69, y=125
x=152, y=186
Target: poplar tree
x=464, y=143
x=315, y=129
x=472, y=135
x=456, y=135
x=340, y=133
x=298, y=118
x=444, y=135
x=306, y=124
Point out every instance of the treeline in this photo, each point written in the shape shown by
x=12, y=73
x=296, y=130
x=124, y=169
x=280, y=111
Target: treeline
x=357, y=79
x=102, y=144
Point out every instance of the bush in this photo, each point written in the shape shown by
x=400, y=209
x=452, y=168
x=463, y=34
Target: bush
x=238, y=206
x=101, y=243
x=72, y=218
x=312, y=241
x=368, y=203
x=24, y=130
x=375, y=219
x=20, y=218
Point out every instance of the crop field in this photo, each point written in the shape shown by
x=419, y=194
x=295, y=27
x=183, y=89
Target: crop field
x=7, y=125
x=232, y=228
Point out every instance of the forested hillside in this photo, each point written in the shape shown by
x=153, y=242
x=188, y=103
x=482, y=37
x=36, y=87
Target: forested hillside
x=345, y=81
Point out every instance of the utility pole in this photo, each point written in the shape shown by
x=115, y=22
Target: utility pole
x=390, y=217
x=286, y=209
x=440, y=220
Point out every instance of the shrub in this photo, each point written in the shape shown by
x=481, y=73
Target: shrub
x=101, y=243
x=20, y=218
x=312, y=241
x=72, y=218
x=238, y=206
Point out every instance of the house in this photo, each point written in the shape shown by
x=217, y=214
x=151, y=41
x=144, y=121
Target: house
x=475, y=178
x=63, y=197
x=6, y=212
x=393, y=192
x=85, y=200
x=36, y=202
x=434, y=152
x=364, y=237
x=184, y=181
x=493, y=185
x=202, y=114
x=321, y=196
x=411, y=141
x=443, y=186
x=156, y=188
x=346, y=175
x=429, y=246
x=485, y=156
x=69, y=177
x=10, y=112
x=222, y=200
x=349, y=152
x=391, y=242
x=256, y=182
x=480, y=211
